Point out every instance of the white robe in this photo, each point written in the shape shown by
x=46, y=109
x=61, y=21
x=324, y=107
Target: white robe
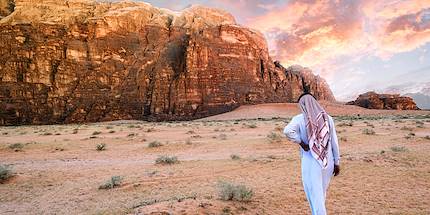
x=315, y=178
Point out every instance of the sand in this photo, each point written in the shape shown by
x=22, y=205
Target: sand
x=59, y=170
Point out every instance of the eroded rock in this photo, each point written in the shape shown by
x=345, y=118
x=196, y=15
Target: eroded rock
x=87, y=61
x=373, y=100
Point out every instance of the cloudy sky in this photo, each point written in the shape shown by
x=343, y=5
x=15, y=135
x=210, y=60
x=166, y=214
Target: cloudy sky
x=356, y=45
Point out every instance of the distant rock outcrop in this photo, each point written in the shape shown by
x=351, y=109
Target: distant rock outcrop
x=422, y=100
x=88, y=61
x=373, y=100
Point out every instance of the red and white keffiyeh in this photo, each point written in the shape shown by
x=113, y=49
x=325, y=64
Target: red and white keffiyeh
x=317, y=128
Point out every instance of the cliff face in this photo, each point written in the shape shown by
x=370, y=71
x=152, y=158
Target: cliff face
x=83, y=61
x=373, y=100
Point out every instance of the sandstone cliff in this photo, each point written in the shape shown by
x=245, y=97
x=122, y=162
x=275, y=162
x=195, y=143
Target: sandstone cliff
x=373, y=100
x=87, y=61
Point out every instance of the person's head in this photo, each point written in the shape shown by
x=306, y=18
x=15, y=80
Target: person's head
x=304, y=94
x=308, y=103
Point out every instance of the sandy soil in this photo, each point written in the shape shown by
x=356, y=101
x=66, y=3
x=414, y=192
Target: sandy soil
x=59, y=170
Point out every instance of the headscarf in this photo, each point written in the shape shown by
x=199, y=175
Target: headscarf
x=317, y=127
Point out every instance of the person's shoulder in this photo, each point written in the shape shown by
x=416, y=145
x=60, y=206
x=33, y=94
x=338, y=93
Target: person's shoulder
x=298, y=117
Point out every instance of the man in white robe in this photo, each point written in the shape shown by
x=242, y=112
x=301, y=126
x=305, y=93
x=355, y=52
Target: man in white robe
x=314, y=131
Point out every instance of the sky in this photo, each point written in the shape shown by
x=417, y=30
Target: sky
x=356, y=45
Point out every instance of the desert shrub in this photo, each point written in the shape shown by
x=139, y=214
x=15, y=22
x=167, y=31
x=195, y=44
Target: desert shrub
x=96, y=133
x=47, y=133
x=5, y=173
x=419, y=123
x=223, y=136
x=427, y=137
x=342, y=124
x=251, y=125
x=154, y=144
x=16, y=147
x=234, y=157
x=164, y=159
x=111, y=132
x=343, y=139
x=188, y=142
x=114, y=181
x=101, y=147
x=233, y=192
x=191, y=132
x=405, y=128
x=399, y=149
x=274, y=137
x=131, y=135
x=150, y=129
x=75, y=131
x=367, y=131
x=109, y=127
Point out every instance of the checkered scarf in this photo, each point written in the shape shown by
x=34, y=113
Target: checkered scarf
x=317, y=128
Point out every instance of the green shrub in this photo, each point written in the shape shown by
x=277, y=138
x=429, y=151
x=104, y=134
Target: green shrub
x=232, y=192
x=114, y=181
x=101, y=147
x=166, y=160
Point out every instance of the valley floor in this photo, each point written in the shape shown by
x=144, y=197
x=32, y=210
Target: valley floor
x=58, y=169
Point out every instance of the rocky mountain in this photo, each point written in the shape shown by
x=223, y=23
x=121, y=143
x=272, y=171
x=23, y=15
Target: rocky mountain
x=373, y=100
x=87, y=61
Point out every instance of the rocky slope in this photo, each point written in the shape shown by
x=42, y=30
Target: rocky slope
x=87, y=61
x=373, y=100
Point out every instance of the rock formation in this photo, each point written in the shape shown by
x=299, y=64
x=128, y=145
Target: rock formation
x=373, y=100
x=87, y=61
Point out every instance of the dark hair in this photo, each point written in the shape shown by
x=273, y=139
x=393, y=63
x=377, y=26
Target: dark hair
x=305, y=93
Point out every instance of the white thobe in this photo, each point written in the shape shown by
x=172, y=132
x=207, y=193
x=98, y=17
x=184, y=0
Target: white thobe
x=315, y=178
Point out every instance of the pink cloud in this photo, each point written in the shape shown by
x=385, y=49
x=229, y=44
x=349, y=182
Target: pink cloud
x=316, y=33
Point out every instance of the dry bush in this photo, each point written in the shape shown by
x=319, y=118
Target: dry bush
x=5, y=173
x=274, y=137
x=233, y=192
x=101, y=147
x=235, y=157
x=154, y=144
x=16, y=147
x=164, y=159
x=114, y=181
x=399, y=149
x=367, y=131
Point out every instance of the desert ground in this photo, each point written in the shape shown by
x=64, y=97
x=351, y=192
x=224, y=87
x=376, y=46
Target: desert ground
x=57, y=169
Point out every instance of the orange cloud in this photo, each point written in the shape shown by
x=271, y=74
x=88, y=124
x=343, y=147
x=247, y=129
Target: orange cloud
x=316, y=33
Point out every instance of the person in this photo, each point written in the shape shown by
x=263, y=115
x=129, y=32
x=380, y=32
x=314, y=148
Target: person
x=314, y=131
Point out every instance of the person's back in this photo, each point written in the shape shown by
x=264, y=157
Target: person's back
x=314, y=130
